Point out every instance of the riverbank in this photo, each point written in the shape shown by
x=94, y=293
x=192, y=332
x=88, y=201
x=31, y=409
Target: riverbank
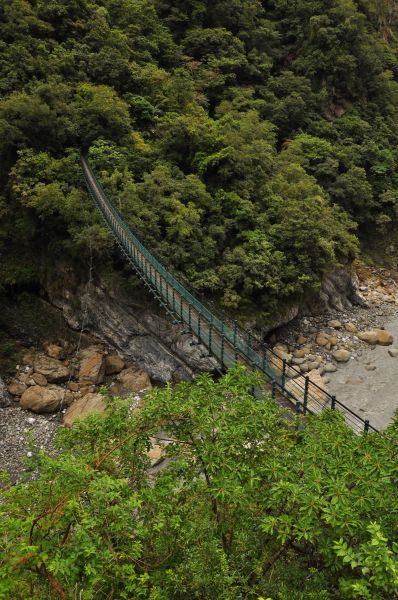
x=366, y=380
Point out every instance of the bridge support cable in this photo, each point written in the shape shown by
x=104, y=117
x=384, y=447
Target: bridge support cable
x=227, y=344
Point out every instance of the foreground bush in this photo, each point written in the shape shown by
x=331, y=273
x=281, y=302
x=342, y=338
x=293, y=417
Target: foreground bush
x=249, y=505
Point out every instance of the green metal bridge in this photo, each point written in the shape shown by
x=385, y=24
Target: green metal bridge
x=227, y=343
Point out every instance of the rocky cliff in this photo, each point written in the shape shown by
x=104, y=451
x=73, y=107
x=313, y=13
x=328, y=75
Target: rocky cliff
x=128, y=321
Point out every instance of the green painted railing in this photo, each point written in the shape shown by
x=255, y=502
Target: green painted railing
x=227, y=343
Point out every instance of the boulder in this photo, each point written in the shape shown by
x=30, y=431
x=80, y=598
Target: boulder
x=92, y=365
x=376, y=336
x=54, y=351
x=335, y=324
x=298, y=361
x=53, y=369
x=351, y=328
x=39, y=379
x=330, y=368
x=130, y=381
x=155, y=453
x=393, y=352
x=370, y=337
x=16, y=388
x=318, y=395
x=322, y=339
x=87, y=389
x=28, y=357
x=90, y=404
x=114, y=364
x=385, y=338
x=73, y=386
x=45, y=399
x=5, y=398
x=342, y=355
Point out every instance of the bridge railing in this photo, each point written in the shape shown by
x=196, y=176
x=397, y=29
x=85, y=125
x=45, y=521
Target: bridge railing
x=227, y=344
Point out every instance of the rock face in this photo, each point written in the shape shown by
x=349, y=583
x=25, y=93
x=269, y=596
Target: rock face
x=92, y=365
x=131, y=324
x=45, y=399
x=5, y=398
x=130, y=381
x=52, y=369
x=340, y=291
x=90, y=404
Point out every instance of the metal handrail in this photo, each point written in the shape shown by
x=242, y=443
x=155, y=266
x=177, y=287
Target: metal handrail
x=264, y=359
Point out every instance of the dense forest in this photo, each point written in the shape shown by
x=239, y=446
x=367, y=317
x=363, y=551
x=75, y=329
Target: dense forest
x=249, y=143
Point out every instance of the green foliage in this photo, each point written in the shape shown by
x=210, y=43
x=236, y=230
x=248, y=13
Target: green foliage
x=247, y=505
x=202, y=119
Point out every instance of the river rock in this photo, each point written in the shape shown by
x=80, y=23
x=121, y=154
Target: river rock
x=53, y=369
x=28, y=357
x=73, y=386
x=393, y=352
x=45, y=399
x=92, y=365
x=335, y=324
x=16, y=388
x=90, y=404
x=54, y=351
x=299, y=354
x=130, y=381
x=5, y=398
x=155, y=453
x=301, y=340
x=298, y=361
x=113, y=364
x=385, y=338
x=342, y=355
x=351, y=328
x=376, y=336
x=322, y=339
x=354, y=381
x=39, y=379
x=370, y=337
x=330, y=368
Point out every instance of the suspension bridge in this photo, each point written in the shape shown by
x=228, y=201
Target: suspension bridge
x=226, y=342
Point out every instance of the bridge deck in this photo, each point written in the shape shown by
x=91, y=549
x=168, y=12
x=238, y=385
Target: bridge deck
x=227, y=344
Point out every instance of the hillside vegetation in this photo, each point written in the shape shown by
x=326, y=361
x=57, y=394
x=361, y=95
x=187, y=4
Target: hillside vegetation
x=249, y=143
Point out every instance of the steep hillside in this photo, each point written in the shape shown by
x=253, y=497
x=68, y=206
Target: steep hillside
x=248, y=142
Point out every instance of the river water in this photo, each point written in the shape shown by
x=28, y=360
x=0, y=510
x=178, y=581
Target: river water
x=369, y=384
